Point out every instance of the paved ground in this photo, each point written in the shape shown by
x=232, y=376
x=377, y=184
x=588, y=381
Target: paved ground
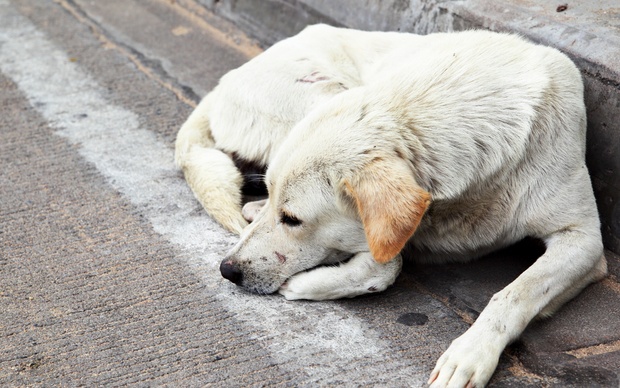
x=108, y=266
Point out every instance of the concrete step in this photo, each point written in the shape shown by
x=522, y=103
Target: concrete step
x=589, y=32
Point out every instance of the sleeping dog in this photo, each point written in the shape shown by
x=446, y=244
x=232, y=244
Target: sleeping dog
x=456, y=144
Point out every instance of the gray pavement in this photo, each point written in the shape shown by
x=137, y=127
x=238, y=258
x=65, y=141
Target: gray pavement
x=108, y=266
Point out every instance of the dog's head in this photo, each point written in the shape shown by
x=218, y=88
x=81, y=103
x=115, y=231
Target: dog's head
x=331, y=195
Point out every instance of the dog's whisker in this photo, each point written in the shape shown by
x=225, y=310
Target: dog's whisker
x=254, y=179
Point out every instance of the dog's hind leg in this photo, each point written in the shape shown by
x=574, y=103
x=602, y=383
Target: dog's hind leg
x=572, y=260
x=216, y=183
x=251, y=209
x=210, y=173
x=360, y=275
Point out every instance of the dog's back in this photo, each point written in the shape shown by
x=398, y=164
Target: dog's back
x=447, y=86
x=254, y=107
x=496, y=126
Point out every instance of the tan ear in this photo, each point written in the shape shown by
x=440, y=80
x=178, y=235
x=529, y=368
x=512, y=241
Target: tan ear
x=390, y=204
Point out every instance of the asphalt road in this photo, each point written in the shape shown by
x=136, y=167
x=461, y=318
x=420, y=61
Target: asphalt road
x=108, y=265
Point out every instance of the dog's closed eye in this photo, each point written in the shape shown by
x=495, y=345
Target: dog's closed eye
x=290, y=220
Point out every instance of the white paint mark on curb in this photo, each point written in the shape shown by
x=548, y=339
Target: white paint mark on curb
x=136, y=164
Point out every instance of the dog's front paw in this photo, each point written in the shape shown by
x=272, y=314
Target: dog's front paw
x=327, y=283
x=310, y=286
x=292, y=293
x=469, y=362
x=360, y=275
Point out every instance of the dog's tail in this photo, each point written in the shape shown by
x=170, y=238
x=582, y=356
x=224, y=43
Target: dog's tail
x=210, y=173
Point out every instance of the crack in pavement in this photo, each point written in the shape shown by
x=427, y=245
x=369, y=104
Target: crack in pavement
x=149, y=67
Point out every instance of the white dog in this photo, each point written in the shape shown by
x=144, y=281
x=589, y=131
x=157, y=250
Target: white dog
x=457, y=144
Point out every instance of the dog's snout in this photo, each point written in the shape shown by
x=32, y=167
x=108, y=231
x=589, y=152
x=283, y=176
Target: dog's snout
x=231, y=272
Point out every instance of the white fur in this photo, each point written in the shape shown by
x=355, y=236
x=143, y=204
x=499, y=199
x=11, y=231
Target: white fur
x=362, y=273
x=472, y=140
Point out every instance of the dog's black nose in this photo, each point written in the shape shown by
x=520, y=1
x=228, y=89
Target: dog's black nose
x=230, y=271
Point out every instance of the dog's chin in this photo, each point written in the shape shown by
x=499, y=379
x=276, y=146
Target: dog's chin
x=262, y=290
x=268, y=289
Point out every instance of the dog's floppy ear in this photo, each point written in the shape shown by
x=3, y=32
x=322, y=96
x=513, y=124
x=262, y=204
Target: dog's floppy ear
x=390, y=204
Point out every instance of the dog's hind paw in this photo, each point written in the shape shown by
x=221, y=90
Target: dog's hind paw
x=251, y=209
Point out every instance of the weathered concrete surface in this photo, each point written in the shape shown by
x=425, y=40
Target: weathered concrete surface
x=570, y=345
x=588, y=31
x=108, y=265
